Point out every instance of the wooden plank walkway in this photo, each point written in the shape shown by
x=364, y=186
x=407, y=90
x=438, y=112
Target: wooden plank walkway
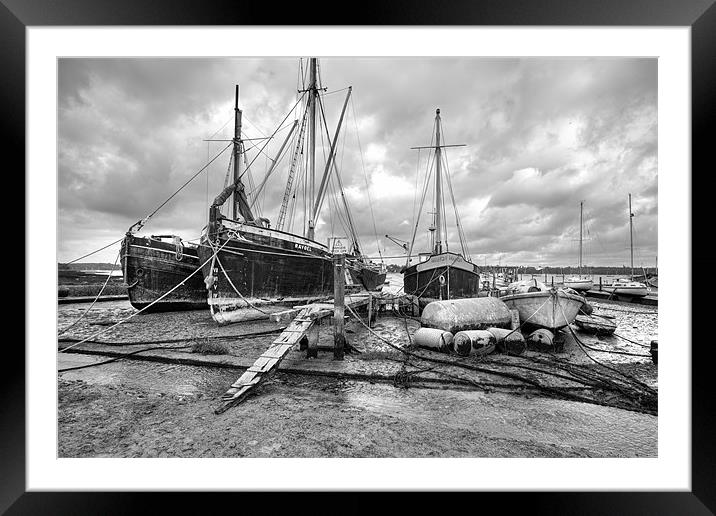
x=305, y=317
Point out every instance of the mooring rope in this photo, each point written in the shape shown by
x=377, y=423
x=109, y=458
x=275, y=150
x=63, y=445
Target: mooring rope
x=123, y=356
x=109, y=275
x=469, y=367
x=236, y=289
x=91, y=337
x=630, y=377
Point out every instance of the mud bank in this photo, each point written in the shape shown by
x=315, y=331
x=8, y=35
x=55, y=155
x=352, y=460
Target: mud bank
x=326, y=408
x=142, y=410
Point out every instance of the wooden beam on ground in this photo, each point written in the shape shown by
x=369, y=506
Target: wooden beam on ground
x=267, y=364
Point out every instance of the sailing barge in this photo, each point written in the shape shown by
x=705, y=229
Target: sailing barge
x=440, y=273
x=153, y=266
x=247, y=262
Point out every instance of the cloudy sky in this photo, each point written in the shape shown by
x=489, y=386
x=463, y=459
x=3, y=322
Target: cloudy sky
x=540, y=136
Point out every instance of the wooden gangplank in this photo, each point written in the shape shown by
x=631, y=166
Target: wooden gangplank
x=268, y=362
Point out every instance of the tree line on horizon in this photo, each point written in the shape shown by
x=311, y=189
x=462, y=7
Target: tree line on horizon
x=603, y=270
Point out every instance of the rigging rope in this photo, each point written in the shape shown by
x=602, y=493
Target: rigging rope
x=109, y=275
x=274, y=133
x=93, y=252
x=146, y=307
x=144, y=220
x=234, y=287
x=365, y=176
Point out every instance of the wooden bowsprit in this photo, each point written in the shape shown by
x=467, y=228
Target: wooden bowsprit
x=270, y=359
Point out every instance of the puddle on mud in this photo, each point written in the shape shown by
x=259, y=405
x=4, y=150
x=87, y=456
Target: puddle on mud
x=153, y=377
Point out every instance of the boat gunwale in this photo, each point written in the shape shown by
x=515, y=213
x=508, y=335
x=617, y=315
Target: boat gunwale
x=244, y=225
x=543, y=293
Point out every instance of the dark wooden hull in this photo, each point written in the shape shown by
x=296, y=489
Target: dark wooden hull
x=458, y=281
x=368, y=277
x=266, y=271
x=152, y=267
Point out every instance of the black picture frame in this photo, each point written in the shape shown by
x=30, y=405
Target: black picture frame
x=700, y=15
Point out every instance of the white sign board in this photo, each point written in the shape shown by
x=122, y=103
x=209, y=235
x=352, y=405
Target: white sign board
x=338, y=245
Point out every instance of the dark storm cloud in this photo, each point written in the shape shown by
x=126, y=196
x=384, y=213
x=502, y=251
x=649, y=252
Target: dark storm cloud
x=541, y=135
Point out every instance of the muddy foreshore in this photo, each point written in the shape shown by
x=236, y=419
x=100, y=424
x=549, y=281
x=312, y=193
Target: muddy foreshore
x=373, y=404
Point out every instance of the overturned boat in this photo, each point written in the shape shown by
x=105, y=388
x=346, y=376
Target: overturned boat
x=596, y=324
x=540, y=306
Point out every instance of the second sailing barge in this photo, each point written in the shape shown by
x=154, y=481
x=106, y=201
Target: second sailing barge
x=440, y=274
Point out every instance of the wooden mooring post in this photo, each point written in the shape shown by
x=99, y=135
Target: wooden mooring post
x=339, y=335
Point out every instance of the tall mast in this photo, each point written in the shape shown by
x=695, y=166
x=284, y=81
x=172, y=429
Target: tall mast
x=438, y=187
x=436, y=236
x=631, y=238
x=580, y=237
x=237, y=154
x=312, y=94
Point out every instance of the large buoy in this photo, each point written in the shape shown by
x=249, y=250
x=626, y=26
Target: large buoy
x=479, y=342
x=541, y=339
x=509, y=341
x=476, y=313
x=433, y=338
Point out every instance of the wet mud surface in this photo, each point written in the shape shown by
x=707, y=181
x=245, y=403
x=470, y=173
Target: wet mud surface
x=141, y=410
x=132, y=408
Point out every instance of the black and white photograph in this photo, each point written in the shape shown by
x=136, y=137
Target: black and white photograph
x=350, y=257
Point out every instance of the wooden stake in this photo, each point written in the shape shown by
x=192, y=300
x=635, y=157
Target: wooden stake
x=339, y=336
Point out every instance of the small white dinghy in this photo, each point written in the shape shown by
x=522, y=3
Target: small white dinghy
x=542, y=307
x=579, y=283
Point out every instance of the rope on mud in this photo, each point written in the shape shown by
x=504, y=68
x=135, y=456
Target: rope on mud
x=120, y=358
x=186, y=339
x=633, y=342
x=146, y=307
x=403, y=378
x=630, y=377
x=596, y=381
x=109, y=275
x=529, y=381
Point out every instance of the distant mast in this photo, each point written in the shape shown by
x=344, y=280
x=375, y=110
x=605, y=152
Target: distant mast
x=581, y=203
x=631, y=238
